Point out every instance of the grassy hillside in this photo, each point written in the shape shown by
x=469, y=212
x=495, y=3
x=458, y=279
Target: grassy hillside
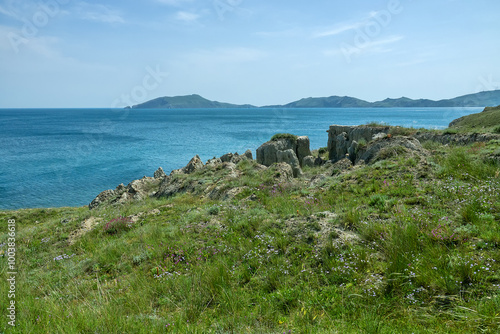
x=409, y=244
x=486, y=121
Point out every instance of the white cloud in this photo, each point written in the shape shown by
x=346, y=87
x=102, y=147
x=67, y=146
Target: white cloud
x=186, y=17
x=99, y=13
x=338, y=29
x=376, y=17
x=173, y=2
x=371, y=46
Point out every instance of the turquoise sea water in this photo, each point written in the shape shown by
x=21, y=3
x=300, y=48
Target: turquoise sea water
x=65, y=157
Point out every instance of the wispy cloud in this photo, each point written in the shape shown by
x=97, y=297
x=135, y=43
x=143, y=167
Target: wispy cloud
x=175, y=3
x=374, y=46
x=99, y=13
x=347, y=26
x=338, y=29
x=187, y=17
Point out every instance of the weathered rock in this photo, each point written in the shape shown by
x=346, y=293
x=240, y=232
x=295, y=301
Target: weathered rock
x=289, y=157
x=302, y=149
x=340, y=166
x=102, y=198
x=319, y=161
x=135, y=190
x=170, y=186
x=267, y=152
x=282, y=172
x=159, y=174
x=341, y=139
x=248, y=154
x=458, y=138
x=274, y=151
x=193, y=165
x=308, y=161
x=213, y=162
x=228, y=157
x=388, y=147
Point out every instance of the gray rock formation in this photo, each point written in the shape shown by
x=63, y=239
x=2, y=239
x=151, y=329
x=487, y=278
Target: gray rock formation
x=289, y=151
x=267, y=152
x=248, y=154
x=388, y=147
x=193, y=165
x=159, y=174
x=289, y=157
x=282, y=172
x=302, y=149
x=309, y=161
x=344, y=141
x=135, y=190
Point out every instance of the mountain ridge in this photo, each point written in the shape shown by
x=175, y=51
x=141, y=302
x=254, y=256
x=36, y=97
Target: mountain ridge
x=481, y=99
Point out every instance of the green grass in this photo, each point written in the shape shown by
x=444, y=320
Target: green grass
x=409, y=248
x=485, y=121
x=284, y=136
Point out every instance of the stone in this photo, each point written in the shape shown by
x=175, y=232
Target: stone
x=193, y=165
x=248, y=155
x=387, y=147
x=159, y=174
x=266, y=153
x=308, y=161
x=282, y=172
x=344, y=140
x=302, y=149
x=102, y=198
x=289, y=157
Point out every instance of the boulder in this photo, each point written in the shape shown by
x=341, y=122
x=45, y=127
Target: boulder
x=231, y=157
x=343, y=140
x=102, y=198
x=302, y=149
x=282, y=172
x=266, y=153
x=308, y=161
x=289, y=157
x=388, y=147
x=285, y=150
x=193, y=165
x=248, y=155
x=159, y=174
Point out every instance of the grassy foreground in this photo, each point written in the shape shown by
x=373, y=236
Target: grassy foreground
x=406, y=245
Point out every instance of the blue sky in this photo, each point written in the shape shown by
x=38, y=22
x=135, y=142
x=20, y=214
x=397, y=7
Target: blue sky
x=71, y=53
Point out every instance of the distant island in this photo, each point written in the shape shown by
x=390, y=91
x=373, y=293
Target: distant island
x=195, y=101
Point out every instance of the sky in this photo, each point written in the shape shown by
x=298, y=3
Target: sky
x=103, y=54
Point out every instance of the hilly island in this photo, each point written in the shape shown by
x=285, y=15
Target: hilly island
x=382, y=230
x=481, y=99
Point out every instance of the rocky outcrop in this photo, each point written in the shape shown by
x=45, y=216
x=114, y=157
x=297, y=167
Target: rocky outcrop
x=344, y=141
x=287, y=150
x=135, y=190
x=281, y=172
x=458, y=138
x=248, y=155
x=303, y=150
x=159, y=174
x=309, y=161
x=384, y=148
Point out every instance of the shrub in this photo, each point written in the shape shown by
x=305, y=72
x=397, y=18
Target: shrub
x=322, y=150
x=279, y=136
x=497, y=129
x=117, y=225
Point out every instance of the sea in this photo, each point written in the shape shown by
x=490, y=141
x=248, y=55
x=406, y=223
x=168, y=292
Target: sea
x=66, y=157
